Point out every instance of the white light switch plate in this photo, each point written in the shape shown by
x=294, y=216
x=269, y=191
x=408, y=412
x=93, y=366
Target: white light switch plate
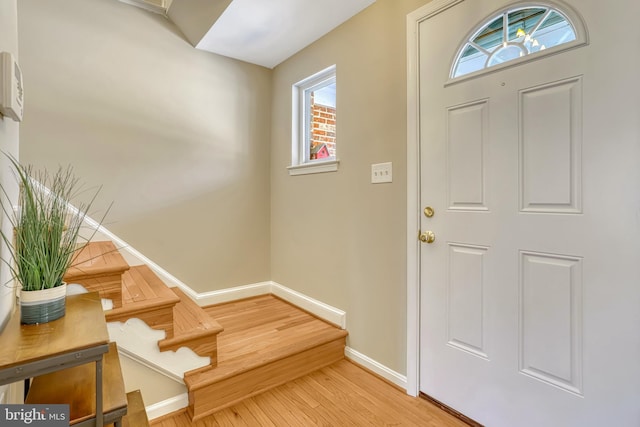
x=381, y=172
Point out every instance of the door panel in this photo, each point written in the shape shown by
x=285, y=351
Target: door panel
x=529, y=296
x=465, y=302
x=551, y=338
x=466, y=154
x=550, y=147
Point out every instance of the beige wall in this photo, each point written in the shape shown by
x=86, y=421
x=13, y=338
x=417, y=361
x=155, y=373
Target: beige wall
x=179, y=138
x=9, y=131
x=335, y=236
x=187, y=144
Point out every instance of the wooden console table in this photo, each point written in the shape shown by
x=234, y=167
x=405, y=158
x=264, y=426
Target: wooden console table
x=77, y=338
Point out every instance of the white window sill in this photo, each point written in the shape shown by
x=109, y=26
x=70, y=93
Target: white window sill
x=315, y=167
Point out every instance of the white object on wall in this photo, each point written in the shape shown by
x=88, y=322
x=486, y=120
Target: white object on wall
x=11, y=89
x=381, y=173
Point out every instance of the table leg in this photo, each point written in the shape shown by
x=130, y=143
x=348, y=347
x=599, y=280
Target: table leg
x=27, y=384
x=99, y=414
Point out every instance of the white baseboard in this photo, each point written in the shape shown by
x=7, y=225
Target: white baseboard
x=313, y=306
x=167, y=406
x=378, y=368
x=231, y=294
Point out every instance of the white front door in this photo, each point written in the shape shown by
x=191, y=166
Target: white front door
x=529, y=295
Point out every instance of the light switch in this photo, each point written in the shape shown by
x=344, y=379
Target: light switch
x=381, y=173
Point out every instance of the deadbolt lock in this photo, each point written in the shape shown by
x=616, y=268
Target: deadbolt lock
x=429, y=212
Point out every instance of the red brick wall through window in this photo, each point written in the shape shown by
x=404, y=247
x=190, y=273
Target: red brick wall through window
x=323, y=127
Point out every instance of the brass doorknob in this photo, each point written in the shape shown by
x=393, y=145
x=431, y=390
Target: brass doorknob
x=427, y=236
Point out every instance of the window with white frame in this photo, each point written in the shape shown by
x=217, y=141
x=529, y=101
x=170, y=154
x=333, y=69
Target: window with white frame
x=515, y=34
x=314, y=143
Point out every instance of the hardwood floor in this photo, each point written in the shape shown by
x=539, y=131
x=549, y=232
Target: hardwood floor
x=342, y=394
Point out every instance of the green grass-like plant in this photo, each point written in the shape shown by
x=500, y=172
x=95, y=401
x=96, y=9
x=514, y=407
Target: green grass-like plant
x=46, y=229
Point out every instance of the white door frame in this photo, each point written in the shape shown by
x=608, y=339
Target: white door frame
x=413, y=188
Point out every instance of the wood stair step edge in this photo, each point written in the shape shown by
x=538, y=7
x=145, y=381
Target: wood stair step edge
x=96, y=259
x=76, y=387
x=193, y=328
x=183, y=339
x=203, y=377
x=191, y=317
x=214, y=397
x=130, y=310
x=143, y=291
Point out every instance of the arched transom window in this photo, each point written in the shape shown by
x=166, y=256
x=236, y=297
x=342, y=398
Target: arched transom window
x=513, y=34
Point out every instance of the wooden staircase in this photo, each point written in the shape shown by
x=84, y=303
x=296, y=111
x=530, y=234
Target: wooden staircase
x=253, y=345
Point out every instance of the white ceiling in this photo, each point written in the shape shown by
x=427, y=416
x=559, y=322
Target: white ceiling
x=266, y=32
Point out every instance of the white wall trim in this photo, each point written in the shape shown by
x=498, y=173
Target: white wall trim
x=316, y=167
x=376, y=367
x=413, y=187
x=413, y=203
x=313, y=306
x=167, y=406
x=231, y=294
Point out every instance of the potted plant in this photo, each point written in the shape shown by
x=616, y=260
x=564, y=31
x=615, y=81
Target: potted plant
x=46, y=231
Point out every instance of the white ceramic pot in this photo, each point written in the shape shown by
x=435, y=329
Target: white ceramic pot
x=42, y=306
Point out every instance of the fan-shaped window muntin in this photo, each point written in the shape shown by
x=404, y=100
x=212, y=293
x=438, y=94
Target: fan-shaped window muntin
x=513, y=34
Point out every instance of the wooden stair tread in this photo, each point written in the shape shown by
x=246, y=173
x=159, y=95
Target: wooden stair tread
x=96, y=259
x=142, y=290
x=193, y=328
x=76, y=388
x=262, y=324
x=136, y=412
x=146, y=297
x=192, y=318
